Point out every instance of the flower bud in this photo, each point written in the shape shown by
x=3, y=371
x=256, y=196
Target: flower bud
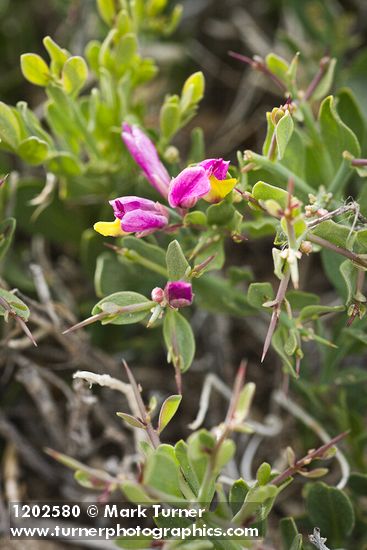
x=157, y=294
x=306, y=247
x=178, y=294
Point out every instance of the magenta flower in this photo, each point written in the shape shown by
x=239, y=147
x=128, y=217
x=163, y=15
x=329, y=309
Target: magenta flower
x=178, y=294
x=188, y=187
x=206, y=180
x=134, y=215
x=216, y=167
x=145, y=155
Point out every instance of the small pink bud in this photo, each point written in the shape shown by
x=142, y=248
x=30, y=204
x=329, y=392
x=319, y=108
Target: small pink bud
x=158, y=294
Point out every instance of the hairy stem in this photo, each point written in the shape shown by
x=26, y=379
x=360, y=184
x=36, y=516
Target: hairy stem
x=299, y=464
x=338, y=249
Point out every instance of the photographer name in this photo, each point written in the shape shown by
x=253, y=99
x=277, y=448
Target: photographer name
x=115, y=511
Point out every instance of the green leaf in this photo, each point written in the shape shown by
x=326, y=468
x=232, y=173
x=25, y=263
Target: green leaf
x=331, y=263
x=107, y=10
x=162, y=472
x=10, y=132
x=216, y=249
x=126, y=50
x=299, y=299
x=85, y=479
x=360, y=243
x=277, y=65
x=150, y=252
x=92, y=52
x=335, y=233
x=326, y=82
x=217, y=295
x=225, y=454
x=181, y=453
x=220, y=214
x=269, y=135
x=291, y=343
x=140, y=543
x=244, y=402
x=263, y=473
x=237, y=495
x=33, y=150
x=309, y=313
x=177, y=265
x=168, y=411
x=335, y=134
x=74, y=74
x=131, y=420
x=297, y=543
x=65, y=164
x=121, y=300
x=284, y=130
x=58, y=55
x=193, y=90
x=259, y=293
x=195, y=218
x=179, y=340
x=349, y=273
x=278, y=342
x=263, y=191
x=35, y=69
x=331, y=510
x=289, y=532
x=135, y=493
x=258, y=501
x=109, y=275
x=17, y=305
x=170, y=117
x=7, y=228
x=357, y=482
x=199, y=445
x=351, y=113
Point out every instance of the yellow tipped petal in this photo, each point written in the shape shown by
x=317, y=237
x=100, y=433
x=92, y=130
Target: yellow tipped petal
x=109, y=229
x=219, y=189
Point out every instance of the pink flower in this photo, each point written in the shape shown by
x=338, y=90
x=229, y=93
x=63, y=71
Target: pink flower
x=206, y=180
x=145, y=155
x=188, y=187
x=134, y=215
x=216, y=167
x=178, y=294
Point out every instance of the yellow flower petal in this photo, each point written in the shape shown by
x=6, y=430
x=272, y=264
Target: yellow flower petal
x=219, y=189
x=109, y=229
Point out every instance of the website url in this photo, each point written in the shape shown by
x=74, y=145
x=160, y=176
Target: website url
x=155, y=533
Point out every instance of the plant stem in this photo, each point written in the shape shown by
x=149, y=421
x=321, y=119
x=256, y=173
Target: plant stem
x=299, y=464
x=324, y=65
x=100, y=316
x=279, y=170
x=359, y=162
x=153, y=436
x=317, y=540
x=273, y=146
x=282, y=289
x=352, y=256
x=351, y=207
x=226, y=430
x=134, y=256
x=259, y=65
